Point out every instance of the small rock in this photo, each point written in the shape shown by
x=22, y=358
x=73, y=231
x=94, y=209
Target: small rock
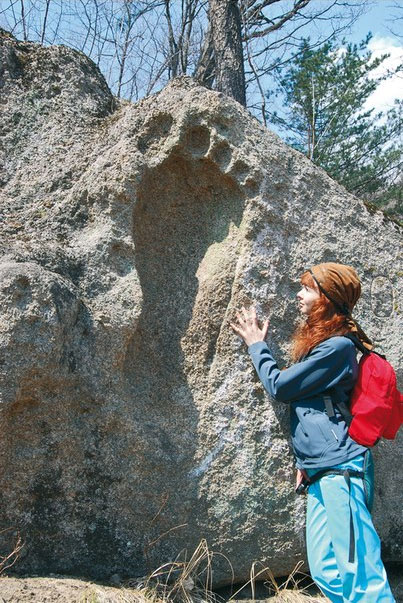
x=115, y=580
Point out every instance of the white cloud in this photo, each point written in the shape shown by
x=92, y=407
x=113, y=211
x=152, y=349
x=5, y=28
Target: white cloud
x=386, y=93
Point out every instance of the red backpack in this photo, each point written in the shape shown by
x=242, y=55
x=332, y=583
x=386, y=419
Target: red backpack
x=376, y=406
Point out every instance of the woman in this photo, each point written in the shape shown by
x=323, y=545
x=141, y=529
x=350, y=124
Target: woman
x=342, y=544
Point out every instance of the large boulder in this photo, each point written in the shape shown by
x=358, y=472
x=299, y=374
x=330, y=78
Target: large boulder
x=132, y=423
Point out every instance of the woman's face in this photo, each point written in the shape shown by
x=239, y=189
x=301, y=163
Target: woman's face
x=306, y=298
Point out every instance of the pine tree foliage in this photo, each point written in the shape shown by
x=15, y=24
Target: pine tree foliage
x=324, y=93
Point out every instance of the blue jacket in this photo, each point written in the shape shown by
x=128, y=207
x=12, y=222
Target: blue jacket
x=317, y=440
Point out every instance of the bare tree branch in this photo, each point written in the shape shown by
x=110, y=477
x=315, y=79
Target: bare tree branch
x=44, y=21
x=275, y=26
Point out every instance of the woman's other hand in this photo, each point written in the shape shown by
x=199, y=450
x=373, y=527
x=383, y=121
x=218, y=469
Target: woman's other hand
x=248, y=327
x=301, y=476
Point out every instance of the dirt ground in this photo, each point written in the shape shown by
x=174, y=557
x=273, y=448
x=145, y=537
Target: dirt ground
x=74, y=590
x=62, y=590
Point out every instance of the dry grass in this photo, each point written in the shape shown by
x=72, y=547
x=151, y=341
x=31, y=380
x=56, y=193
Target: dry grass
x=190, y=581
x=101, y=595
x=10, y=558
x=289, y=591
x=185, y=580
x=292, y=596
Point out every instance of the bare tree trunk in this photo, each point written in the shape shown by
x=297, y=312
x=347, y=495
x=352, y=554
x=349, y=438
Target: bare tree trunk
x=173, y=47
x=205, y=68
x=225, y=22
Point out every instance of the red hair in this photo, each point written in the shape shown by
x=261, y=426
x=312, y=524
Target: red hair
x=324, y=321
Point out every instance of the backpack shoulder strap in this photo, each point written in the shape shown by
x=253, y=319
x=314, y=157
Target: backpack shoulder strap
x=345, y=412
x=358, y=344
x=361, y=347
x=334, y=398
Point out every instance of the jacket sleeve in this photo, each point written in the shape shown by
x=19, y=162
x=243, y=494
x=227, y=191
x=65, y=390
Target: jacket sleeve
x=323, y=368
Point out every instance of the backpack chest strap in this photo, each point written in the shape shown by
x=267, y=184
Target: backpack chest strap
x=329, y=406
x=330, y=403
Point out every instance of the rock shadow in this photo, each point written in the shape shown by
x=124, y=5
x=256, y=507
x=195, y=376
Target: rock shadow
x=184, y=207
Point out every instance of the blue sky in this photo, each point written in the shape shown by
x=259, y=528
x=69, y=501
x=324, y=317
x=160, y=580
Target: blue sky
x=380, y=20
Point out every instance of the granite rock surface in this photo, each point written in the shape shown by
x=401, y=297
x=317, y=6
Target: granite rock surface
x=133, y=425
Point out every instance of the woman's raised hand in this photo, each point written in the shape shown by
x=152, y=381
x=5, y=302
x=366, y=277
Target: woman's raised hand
x=248, y=326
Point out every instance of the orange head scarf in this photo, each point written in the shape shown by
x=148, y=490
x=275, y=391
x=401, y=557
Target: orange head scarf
x=341, y=285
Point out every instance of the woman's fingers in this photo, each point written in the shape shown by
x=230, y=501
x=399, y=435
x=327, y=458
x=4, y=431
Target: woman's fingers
x=234, y=327
x=247, y=326
x=298, y=478
x=249, y=316
x=248, y=319
x=238, y=329
x=301, y=476
x=245, y=314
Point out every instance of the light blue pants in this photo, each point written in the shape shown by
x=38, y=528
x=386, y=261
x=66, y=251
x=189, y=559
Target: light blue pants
x=328, y=539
